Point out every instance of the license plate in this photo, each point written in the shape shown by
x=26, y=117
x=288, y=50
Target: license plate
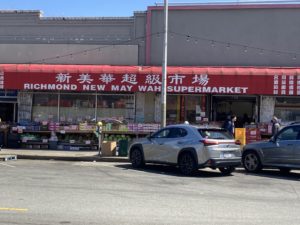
x=227, y=155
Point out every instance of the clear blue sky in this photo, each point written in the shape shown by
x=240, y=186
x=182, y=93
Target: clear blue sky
x=89, y=7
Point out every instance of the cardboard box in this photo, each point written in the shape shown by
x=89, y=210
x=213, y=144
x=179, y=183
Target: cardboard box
x=108, y=148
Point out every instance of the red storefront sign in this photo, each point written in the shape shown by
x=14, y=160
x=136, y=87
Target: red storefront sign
x=135, y=79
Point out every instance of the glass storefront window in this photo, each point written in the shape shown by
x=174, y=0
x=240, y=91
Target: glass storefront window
x=119, y=107
x=191, y=108
x=75, y=108
x=44, y=107
x=9, y=93
x=287, y=109
x=195, y=108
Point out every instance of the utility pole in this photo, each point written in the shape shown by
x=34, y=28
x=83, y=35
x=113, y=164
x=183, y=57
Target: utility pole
x=164, y=68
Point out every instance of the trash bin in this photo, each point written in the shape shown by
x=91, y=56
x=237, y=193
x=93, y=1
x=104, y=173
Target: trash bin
x=123, y=146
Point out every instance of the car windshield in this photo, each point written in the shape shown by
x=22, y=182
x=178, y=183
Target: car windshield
x=215, y=134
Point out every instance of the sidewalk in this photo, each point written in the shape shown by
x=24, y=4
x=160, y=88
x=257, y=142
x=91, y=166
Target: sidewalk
x=60, y=155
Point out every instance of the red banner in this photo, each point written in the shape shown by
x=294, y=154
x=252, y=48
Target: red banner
x=177, y=83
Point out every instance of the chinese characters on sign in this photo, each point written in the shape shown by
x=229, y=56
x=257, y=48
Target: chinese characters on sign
x=153, y=79
x=107, y=78
x=298, y=85
x=63, y=78
x=1, y=80
x=85, y=78
x=129, y=82
x=202, y=83
x=276, y=84
x=285, y=85
x=201, y=79
x=129, y=78
x=291, y=85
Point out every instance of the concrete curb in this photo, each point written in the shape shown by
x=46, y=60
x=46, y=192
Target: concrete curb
x=61, y=155
x=74, y=158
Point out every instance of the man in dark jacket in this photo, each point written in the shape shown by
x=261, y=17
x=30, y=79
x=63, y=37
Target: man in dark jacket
x=229, y=124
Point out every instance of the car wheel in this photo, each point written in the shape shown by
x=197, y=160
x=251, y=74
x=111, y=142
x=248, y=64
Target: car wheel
x=187, y=163
x=226, y=170
x=136, y=158
x=251, y=162
x=285, y=170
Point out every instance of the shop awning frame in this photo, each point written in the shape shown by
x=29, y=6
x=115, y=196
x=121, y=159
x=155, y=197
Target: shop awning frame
x=43, y=68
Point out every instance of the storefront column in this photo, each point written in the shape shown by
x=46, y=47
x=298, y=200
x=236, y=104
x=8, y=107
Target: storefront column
x=145, y=107
x=267, y=105
x=149, y=107
x=140, y=107
x=157, y=112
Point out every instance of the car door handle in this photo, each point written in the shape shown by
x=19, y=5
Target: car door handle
x=289, y=144
x=180, y=142
x=161, y=143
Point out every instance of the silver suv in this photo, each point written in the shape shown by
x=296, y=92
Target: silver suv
x=188, y=147
x=281, y=151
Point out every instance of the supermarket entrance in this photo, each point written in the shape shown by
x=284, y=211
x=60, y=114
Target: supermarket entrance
x=244, y=107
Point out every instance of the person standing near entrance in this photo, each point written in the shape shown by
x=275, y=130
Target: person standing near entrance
x=275, y=125
x=230, y=124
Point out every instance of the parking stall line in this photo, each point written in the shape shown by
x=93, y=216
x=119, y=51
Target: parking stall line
x=3, y=164
x=14, y=209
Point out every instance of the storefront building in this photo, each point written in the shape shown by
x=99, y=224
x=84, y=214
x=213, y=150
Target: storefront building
x=259, y=36
x=197, y=94
x=223, y=59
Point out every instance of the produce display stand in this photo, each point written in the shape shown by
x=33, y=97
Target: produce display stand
x=136, y=134
x=56, y=138
x=82, y=136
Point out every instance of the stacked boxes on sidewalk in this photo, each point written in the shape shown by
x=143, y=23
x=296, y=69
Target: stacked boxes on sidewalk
x=252, y=134
x=108, y=148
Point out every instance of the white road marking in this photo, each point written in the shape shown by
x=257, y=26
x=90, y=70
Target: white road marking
x=95, y=164
x=14, y=209
x=3, y=164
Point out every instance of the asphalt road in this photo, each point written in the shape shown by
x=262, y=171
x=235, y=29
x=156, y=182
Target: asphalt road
x=89, y=193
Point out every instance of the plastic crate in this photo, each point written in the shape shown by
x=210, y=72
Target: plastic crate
x=123, y=146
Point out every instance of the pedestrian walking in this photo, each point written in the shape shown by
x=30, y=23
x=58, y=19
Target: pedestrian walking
x=275, y=125
x=230, y=124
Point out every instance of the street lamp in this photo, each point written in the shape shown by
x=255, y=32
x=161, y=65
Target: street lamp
x=164, y=68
